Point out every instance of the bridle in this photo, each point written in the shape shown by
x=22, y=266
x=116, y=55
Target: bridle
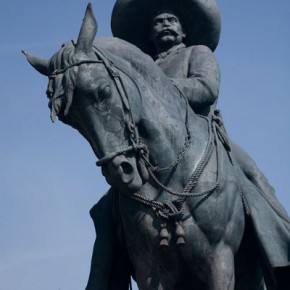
x=166, y=210
x=136, y=144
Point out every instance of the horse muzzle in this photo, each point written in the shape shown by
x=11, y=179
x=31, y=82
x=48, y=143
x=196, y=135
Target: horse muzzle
x=122, y=173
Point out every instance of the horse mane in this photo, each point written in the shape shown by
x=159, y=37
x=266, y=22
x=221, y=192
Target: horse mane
x=63, y=58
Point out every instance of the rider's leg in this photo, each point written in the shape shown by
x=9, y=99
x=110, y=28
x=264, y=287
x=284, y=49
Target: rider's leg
x=257, y=178
x=251, y=171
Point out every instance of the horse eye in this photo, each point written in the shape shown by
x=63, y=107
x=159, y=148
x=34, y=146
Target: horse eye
x=104, y=93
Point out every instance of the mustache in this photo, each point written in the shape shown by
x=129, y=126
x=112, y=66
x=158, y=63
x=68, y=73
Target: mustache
x=165, y=30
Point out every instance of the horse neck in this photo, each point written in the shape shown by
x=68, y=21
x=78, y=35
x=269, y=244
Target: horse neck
x=165, y=122
x=167, y=131
x=162, y=120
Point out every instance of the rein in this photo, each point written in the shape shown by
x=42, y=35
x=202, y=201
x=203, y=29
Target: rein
x=168, y=211
x=172, y=211
x=137, y=146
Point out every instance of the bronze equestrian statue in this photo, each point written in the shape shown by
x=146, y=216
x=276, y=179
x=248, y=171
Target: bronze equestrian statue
x=188, y=209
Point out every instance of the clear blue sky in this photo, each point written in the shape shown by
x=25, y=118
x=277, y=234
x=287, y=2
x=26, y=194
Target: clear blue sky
x=49, y=180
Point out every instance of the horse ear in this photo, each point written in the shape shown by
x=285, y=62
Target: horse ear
x=41, y=65
x=88, y=31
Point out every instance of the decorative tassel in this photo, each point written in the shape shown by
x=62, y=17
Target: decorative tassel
x=180, y=234
x=164, y=236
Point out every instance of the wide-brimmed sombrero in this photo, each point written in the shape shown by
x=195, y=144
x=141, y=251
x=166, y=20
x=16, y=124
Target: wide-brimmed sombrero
x=200, y=20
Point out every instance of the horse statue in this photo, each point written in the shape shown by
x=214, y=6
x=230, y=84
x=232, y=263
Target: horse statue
x=181, y=208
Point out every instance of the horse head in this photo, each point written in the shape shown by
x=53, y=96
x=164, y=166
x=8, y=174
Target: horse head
x=83, y=94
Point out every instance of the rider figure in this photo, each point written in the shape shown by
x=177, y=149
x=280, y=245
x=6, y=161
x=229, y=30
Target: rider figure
x=193, y=69
x=195, y=72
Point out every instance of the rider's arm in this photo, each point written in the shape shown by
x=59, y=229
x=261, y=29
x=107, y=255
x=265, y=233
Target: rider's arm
x=201, y=87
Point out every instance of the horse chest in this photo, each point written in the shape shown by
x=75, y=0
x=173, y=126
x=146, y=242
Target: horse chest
x=141, y=230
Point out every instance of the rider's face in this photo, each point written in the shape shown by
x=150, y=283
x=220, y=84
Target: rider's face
x=166, y=30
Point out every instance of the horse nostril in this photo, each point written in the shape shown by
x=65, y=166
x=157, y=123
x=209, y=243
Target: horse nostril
x=126, y=172
x=127, y=168
x=122, y=174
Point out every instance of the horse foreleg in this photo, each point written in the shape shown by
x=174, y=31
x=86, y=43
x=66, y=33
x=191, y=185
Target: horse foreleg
x=110, y=266
x=222, y=276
